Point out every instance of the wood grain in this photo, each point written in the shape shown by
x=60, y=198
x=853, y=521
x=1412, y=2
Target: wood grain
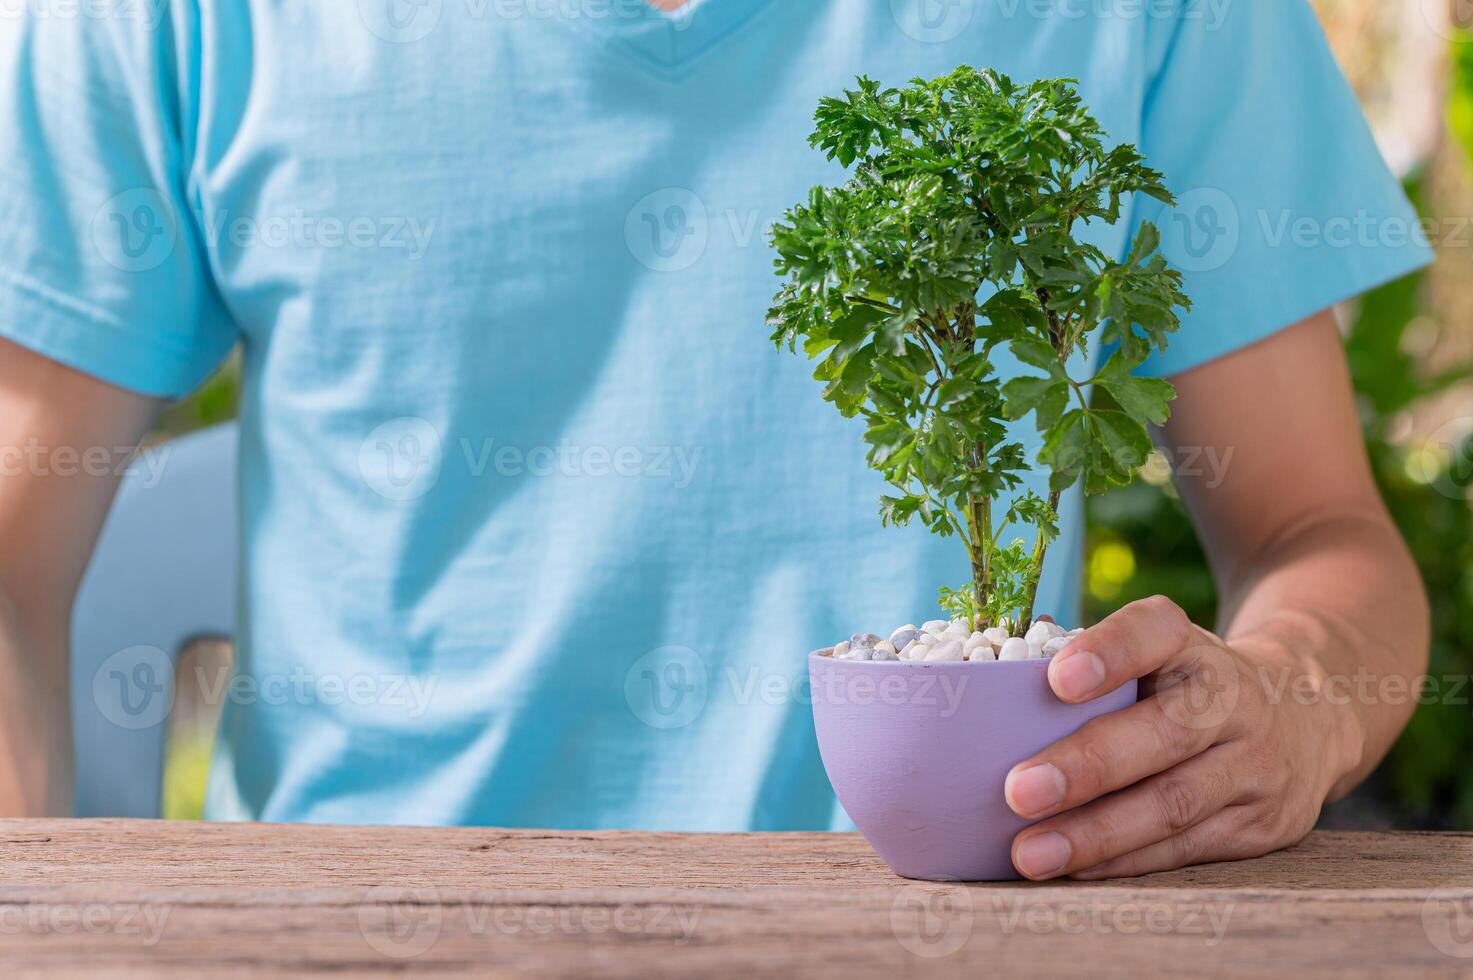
x=153, y=898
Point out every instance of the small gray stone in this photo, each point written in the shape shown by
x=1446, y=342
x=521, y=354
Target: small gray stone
x=902, y=636
x=863, y=640
x=860, y=653
x=884, y=655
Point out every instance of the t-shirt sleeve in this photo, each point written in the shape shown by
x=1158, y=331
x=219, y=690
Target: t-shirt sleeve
x=102, y=266
x=1284, y=204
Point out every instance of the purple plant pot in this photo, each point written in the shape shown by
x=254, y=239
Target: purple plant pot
x=918, y=753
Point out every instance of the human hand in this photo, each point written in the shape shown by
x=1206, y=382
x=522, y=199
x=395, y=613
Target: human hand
x=1208, y=766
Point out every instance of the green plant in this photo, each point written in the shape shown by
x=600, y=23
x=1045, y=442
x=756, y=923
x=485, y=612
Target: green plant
x=955, y=238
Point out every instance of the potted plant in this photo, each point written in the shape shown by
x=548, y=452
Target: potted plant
x=954, y=244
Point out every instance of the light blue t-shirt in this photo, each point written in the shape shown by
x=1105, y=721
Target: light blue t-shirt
x=538, y=527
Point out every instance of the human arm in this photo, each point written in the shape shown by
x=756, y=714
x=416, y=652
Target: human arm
x=1241, y=735
x=52, y=505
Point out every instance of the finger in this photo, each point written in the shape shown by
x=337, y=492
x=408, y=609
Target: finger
x=1129, y=643
x=1108, y=753
x=1220, y=837
x=1151, y=811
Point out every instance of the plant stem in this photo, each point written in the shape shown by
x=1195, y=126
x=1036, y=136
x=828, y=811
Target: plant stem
x=979, y=524
x=1040, y=548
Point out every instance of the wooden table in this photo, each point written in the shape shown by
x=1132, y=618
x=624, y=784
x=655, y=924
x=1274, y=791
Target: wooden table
x=146, y=898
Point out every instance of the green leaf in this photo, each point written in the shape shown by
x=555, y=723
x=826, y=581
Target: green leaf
x=1064, y=449
x=1146, y=400
x=955, y=390
x=1045, y=396
x=1039, y=354
x=1121, y=448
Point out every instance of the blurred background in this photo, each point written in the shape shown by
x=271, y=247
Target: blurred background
x=1410, y=346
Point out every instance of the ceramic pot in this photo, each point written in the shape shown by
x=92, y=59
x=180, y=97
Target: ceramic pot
x=918, y=752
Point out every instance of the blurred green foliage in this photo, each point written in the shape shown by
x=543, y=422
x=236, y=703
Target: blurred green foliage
x=1141, y=542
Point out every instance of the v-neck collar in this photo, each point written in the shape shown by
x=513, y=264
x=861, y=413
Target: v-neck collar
x=669, y=39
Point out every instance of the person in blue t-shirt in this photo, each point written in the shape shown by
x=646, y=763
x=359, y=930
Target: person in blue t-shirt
x=511, y=429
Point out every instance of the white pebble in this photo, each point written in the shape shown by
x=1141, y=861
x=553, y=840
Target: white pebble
x=950, y=650
x=841, y=648
x=974, y=641
x=1055, y=645
x=1043, y=632
x=1035, y=649
x=996, y=635
x=1076, y=631
x=914, y=650
x=935, y=625
x=983, y=652
x=885, y=646
x=1014, y=648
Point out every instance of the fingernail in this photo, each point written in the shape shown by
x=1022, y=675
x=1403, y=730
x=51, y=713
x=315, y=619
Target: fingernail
x=1042, y=855
x=1034, y=790
x=1078, y=675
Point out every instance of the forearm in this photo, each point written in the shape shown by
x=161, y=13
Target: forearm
x=35, y=716
x=1335, y=610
